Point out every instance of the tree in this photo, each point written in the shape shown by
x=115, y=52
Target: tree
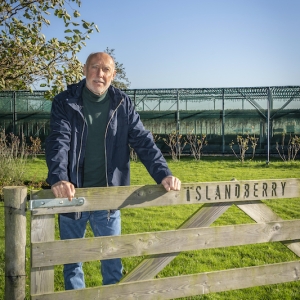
x=27, y=57
x=120, y=81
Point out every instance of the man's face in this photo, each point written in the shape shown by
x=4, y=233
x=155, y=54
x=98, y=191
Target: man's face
x=99, y=72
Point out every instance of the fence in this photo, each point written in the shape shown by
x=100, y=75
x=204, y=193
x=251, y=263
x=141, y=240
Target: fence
x=163, y=246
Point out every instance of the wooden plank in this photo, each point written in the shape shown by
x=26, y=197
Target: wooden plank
x=260, y=212
x=42, y=279
x=45, y=254
x=190, y=193
x=188, y=285
x=15, y=198
x=152, y=265
x=206, y=215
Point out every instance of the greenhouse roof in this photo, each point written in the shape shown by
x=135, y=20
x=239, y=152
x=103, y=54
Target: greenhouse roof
x=234, y=93
x=170, y=100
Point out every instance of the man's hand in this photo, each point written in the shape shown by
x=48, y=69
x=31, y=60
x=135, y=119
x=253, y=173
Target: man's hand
x=63, y=189
x=171, y=183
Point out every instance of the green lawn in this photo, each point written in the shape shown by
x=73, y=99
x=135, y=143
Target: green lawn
x=165, y=218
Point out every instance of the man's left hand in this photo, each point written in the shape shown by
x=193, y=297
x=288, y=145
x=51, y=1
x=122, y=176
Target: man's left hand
x=171, y=183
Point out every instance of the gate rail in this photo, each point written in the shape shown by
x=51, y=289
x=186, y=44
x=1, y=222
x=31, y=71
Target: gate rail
x=163, y=246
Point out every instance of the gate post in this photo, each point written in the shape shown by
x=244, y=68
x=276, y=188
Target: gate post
x=15, y=241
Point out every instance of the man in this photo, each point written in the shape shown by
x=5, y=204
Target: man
x=92, y=123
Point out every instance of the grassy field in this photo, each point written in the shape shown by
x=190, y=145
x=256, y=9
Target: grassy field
x=165, y=218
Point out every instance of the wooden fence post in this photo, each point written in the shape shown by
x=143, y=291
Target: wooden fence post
x=15, y=242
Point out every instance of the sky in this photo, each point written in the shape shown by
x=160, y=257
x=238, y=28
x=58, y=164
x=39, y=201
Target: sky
x=198, y=43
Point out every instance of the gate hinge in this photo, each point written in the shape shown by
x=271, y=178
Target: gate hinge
x=56, y=202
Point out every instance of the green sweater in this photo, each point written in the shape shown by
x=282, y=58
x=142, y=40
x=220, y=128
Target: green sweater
x=95, y=110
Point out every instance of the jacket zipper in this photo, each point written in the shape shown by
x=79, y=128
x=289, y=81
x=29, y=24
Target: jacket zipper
x=79, y=154
x=105, y=139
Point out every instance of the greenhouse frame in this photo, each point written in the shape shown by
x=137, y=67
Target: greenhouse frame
x=271, y=114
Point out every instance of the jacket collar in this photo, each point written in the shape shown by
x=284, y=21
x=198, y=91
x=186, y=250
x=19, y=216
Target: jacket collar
x=75, y=92
x=115, y=95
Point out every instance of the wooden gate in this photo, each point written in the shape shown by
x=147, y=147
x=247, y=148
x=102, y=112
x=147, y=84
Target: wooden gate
x=163, y=246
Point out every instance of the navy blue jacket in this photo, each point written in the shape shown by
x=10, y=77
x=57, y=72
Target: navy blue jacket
x=65, y=145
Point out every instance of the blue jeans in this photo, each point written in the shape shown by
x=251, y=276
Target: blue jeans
x=103, y=223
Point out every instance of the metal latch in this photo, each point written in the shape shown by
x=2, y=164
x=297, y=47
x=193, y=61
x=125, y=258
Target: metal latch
x=56, y=202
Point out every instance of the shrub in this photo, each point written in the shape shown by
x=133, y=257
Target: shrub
x=13, y=158
x=176, y=144
x=289, y=152
x=196, y=144
x=243, y=143
x=36, y=146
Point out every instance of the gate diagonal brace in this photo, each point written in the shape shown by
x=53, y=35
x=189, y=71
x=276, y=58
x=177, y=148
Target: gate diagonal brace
x=56, y=202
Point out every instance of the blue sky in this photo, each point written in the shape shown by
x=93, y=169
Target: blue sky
x=198, y=43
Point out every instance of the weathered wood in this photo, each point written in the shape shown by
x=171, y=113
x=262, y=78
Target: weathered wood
x=45, y=254
x=15, y=241
x=217, y=197
x=42, y=230
x=190, y=193
x=152, y=265
x=188, y=285
x=260, y=212
x=206, y=215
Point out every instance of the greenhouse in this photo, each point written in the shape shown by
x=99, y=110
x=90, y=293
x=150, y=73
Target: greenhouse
x=220, y=114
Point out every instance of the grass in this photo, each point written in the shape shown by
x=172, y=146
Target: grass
x=166, y=218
